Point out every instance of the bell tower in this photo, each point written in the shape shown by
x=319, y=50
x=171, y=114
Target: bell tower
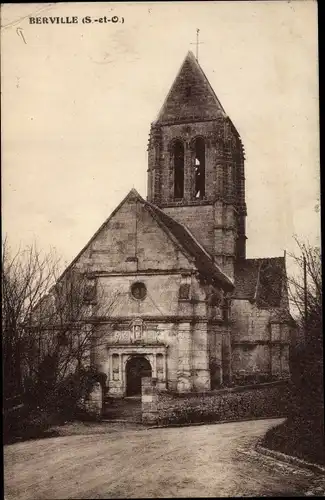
x=196, y=166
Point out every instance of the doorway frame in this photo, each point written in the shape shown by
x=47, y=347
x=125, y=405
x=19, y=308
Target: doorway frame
x=118, y=387
x=129, y=359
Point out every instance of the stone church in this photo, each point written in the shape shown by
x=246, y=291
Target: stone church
x=179, y=299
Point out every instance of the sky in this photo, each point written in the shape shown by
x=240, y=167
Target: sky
x=78, y=100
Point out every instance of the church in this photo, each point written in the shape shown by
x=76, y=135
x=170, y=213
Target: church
x=179, y=301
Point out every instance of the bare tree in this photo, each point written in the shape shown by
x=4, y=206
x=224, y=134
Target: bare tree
x=64, y=322
x=305, y=290
x=26, y=277
x=307, y=357
x=49, y=320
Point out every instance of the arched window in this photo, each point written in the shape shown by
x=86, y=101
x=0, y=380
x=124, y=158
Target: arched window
x=199, y=168
x=178, y=157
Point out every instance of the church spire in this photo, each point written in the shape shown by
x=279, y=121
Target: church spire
x=191, y=96
x=196, y=166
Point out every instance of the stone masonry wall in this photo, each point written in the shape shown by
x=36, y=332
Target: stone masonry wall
x=258, y=348
x=264, y=401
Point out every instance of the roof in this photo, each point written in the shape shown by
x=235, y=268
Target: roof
x=191, y=96
x=186, y=241
x=282, y=316
x=260, y=280
x=203, y=260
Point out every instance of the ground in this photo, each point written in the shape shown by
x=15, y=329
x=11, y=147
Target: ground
x=127, y=461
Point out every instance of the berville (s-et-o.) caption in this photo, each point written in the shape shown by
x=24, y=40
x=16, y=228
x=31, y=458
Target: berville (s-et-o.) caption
x=76, y=20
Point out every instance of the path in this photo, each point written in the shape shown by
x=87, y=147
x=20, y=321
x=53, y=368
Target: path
x=198, y=461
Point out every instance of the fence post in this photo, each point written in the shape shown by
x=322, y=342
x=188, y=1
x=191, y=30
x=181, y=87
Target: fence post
x=149, y=400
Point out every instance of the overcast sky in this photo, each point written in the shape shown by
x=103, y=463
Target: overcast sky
x=78, y=100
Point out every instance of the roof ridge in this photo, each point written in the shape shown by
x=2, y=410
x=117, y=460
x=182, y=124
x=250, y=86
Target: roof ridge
x=196, y=241
x=186, y=229
x=152, y=210
x=211, y=88
x=205, y=251
x=172, y=85
x=155, y=208
x=192, y=237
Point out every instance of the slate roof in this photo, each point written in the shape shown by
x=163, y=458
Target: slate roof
x=202, y=103
x=203, y=260
x=260, y=280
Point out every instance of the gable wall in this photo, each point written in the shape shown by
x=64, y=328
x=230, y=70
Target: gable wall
x=132, y=241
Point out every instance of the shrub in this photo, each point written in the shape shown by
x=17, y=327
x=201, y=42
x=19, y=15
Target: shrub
x=69, y=399
x=23, y=423
x=298, y=438
x=302, y=435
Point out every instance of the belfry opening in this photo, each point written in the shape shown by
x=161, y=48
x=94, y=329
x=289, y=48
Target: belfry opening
x=199, y=168
x=178, y=157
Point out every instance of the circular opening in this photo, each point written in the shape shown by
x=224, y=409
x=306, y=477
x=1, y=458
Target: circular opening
x=139, y=290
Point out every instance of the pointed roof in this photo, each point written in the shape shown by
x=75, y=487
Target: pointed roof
x=179, y=233
x=191, y=96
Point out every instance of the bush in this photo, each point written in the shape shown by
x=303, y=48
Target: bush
x=302, y=435
x=297, y=438
x=23, y=424
x=39, y=410
x=42, y=408
x=69, y=399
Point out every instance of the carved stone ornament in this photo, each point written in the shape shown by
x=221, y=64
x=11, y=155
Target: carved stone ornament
x=137, y=327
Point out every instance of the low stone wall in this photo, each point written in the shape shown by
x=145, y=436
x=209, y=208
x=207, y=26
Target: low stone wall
x=266, y=400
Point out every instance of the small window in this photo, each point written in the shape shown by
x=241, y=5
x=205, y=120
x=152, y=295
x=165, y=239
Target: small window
x=90, y=291
x=184, y=291
x=139, y=290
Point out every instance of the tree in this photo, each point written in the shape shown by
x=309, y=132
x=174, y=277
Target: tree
x=49, y=320
x=302, y=434
x=26, y=277
x=306, y=289
x=306, y=422
x=306, y=296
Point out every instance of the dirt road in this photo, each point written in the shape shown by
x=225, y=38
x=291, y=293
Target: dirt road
x=199, y=461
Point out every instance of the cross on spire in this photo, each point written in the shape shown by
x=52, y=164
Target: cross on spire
x=197, y=43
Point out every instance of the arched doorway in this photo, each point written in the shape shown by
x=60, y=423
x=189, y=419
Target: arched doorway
x=136, y=368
